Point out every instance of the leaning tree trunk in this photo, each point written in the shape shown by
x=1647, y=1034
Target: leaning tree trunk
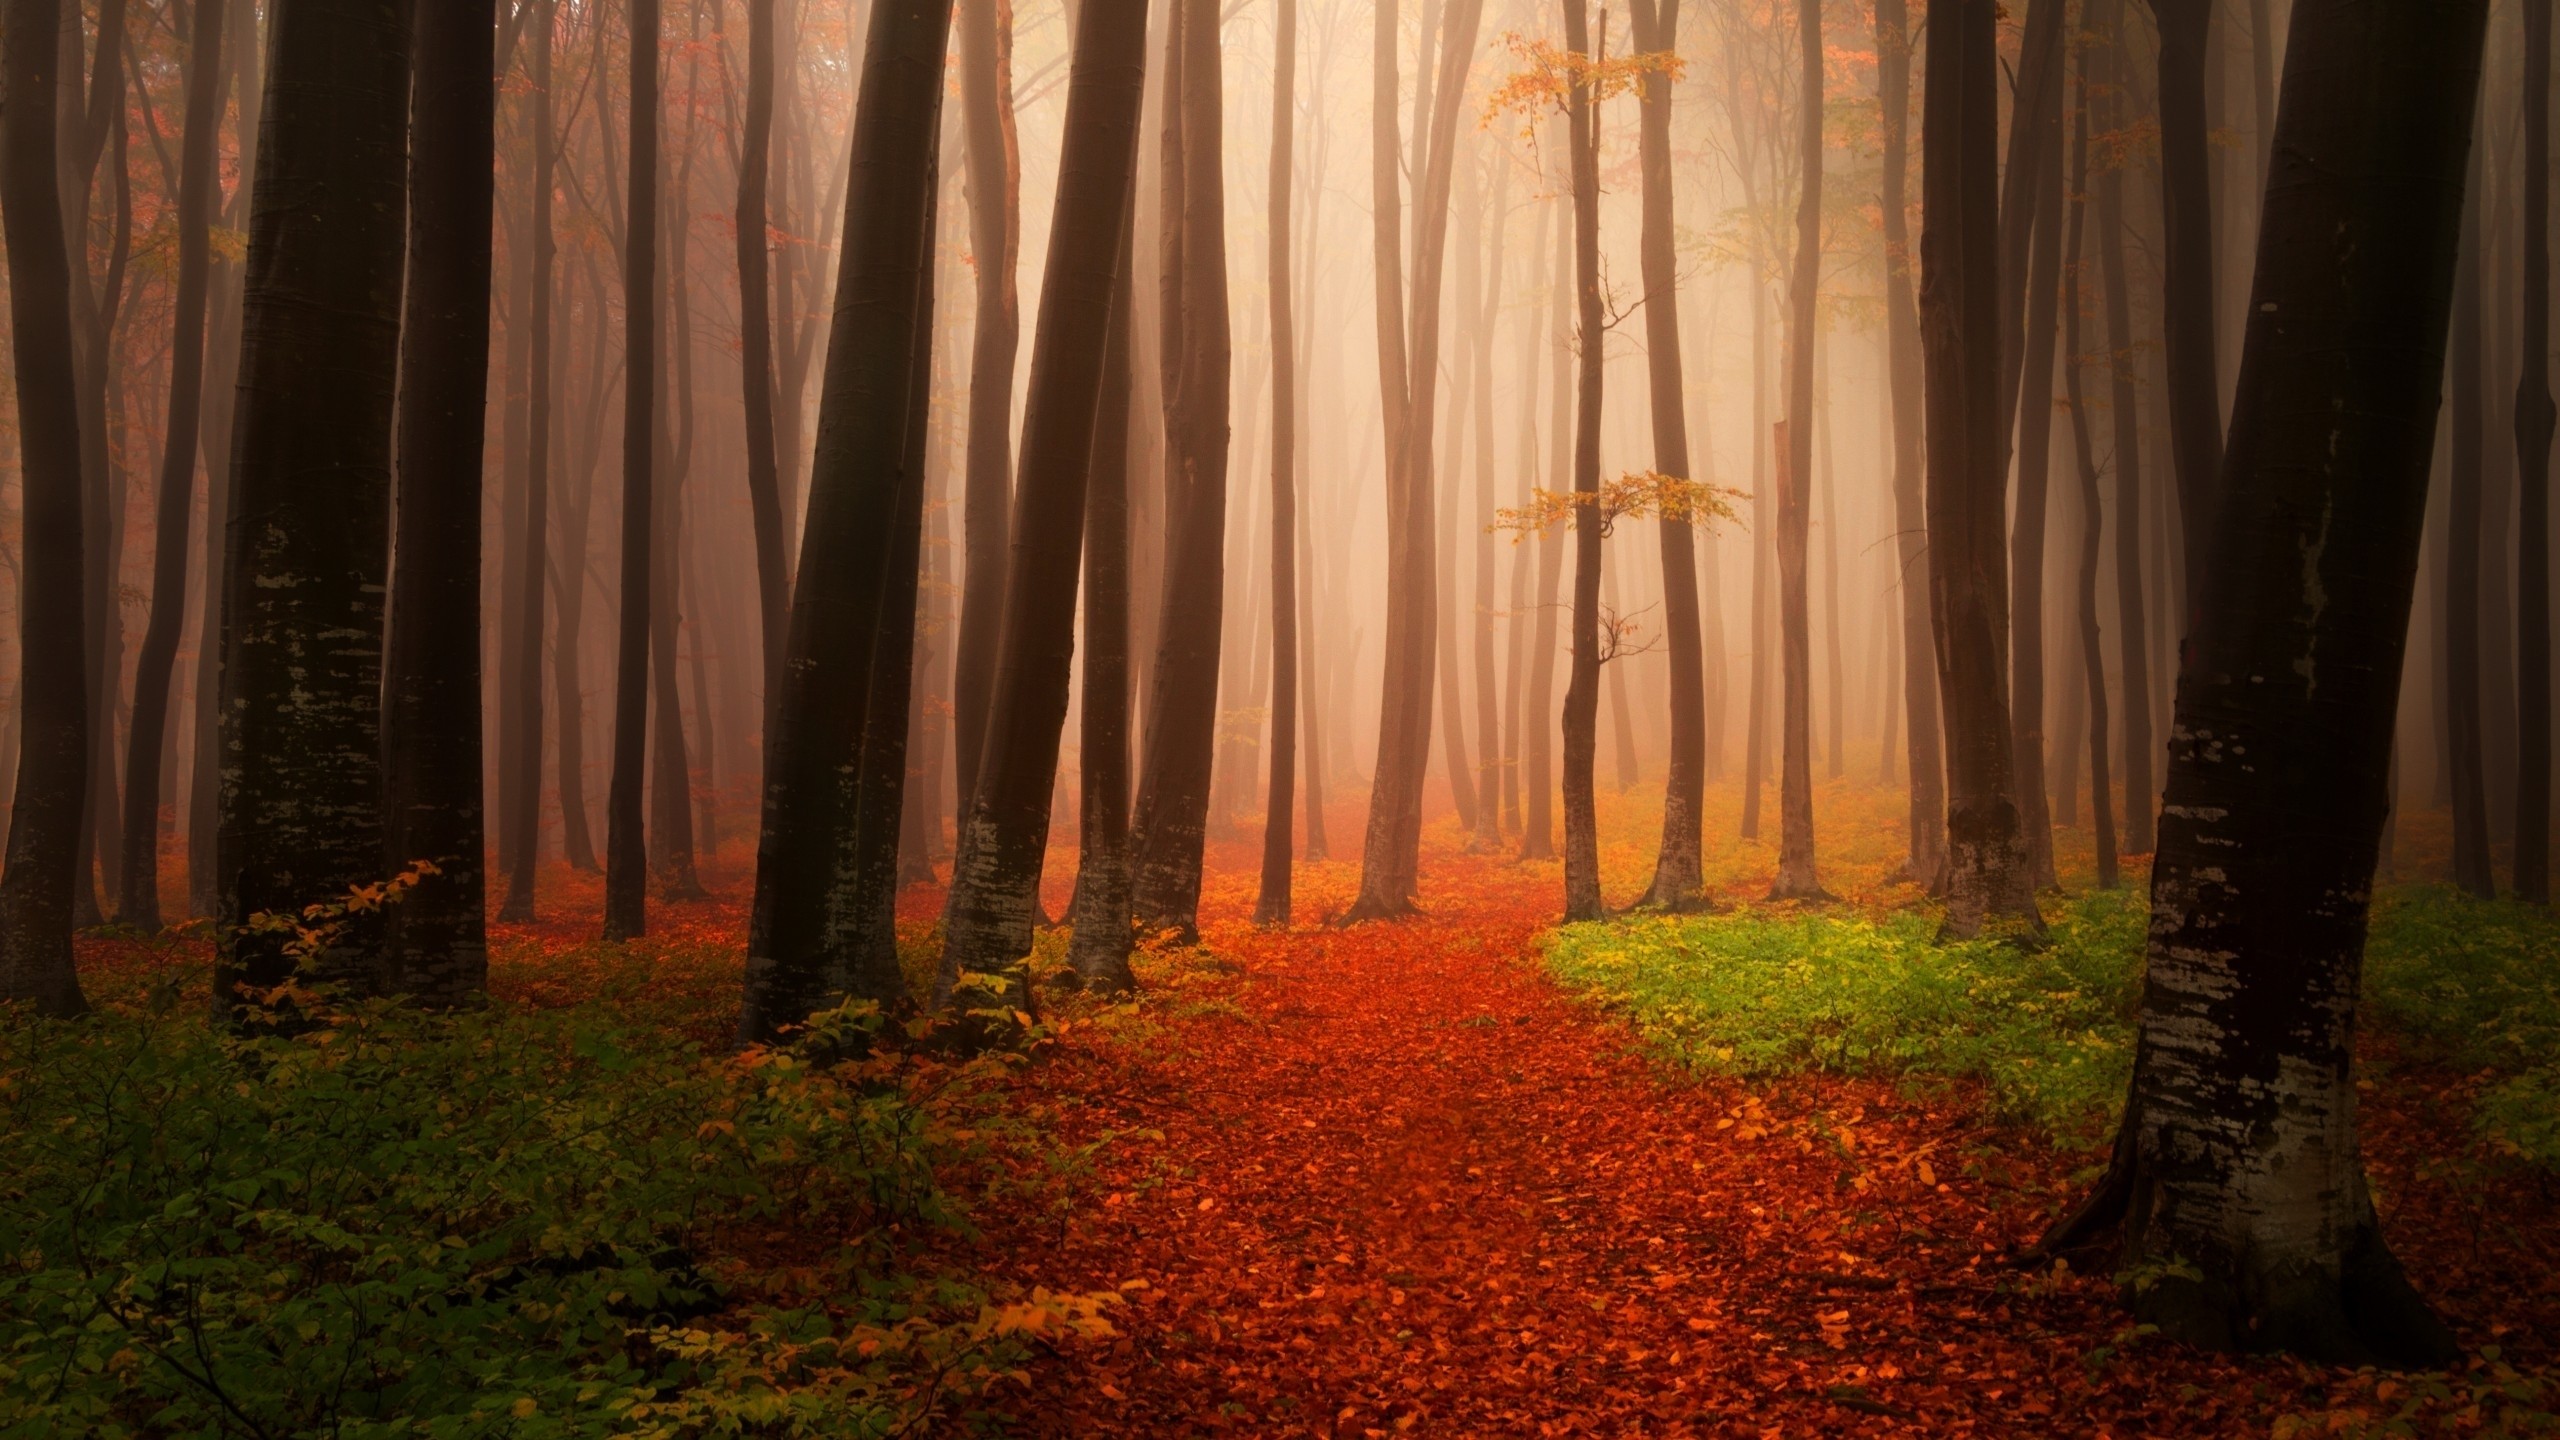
x=2093, y=662
x=2534, y=422
x=809, y=926
x=437, y=942
x=626, y=864
x=1797, y=878
x=522, y=714
x=2124, y=403
x=1271, y=904
x=995, y=200
x=138, y=889
x=2027, y=525
x=1927, y=863
x=995, y=878
x=1582, y=898
x=1099, y=950
x=1679, y=881
x=309, y=552
x=2238, y=1179
x=36, y=967
x=2187, y=299
x=1988, y=878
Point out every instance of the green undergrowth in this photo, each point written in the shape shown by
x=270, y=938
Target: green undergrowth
x=529, y=1223
x=2048, y=1033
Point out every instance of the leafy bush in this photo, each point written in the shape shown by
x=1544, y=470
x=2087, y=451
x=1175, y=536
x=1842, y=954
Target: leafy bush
x=2477, y=986
x=488, y=1224
x=2048, y=1032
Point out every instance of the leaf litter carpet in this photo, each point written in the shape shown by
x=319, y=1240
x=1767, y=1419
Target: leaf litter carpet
x=1387, y=1179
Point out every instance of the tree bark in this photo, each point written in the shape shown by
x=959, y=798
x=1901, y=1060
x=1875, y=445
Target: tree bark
x=1271, y=904
x=2093, y=663
x=436, y=938
x=522, y=713
x=309, y=550
x=626, y=881
x=1490, y=770
x=755, y=339
x=138, y=889
x=996, y=877
x=2107, y=63
x=1988, y=877
x=1927, y=861
x=1582, y=898
x=2194, y=396
x=100, y=126
x=808, y=930
x=569, y=580
x=2534, y=422
x=1538, y=838
x=1099, y=950
x=995, y=202
x=2238, y=1179
x=36, y=966
x=2027, y=525
x=1797, y=877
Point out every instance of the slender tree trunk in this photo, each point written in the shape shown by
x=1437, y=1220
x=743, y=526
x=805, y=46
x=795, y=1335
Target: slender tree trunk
x=2238, y=1183
x=809, y=930
x=1271, y=905
x=1927, y=863
x=626, y=883
x=139, y=887
x=670, y=827
x=995, y=201
x=97, y=128
x=1100, y=948
x=523, y=710
x=1489, y=731
x=1988, y=875
x=1797, y=877
x=1582, y=898
x=36, y=966
x=569, y=578
x=2027, y=527
x=755, y=339
x=1538, y=839
x=2534, y=423
x=2187, y=298
x=2132, y=613
x=2465, y=392
x=1836, y=702
x=437, y=943
x=309, y=550
x=2093, y=663
x=1450, y=685
x=996, y=877
x=1755, y=744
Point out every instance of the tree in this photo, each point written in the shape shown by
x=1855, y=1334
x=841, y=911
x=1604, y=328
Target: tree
x=1099, y=950
x=626, y=864
x=995, y=202
x=2187, y=297
x=1172, y=812
x=2093, y=660
x=1271, y=905
x=437, y=945
x=2034, y=467
x=2237, y=1182
x=1582, y=898
x=1925, y=766
x=2466, y=394
x=755, y=338
x=1679, y=882
x=53, y=754
x=807, y=942
x=522, y=714
x=138, y=888
x=995, y=878
x=1988, y=878
x=306, y=566
x=2534, y=422
x=1797, y=879
x=2106, y=85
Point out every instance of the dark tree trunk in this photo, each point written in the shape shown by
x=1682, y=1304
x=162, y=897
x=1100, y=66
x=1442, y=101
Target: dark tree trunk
x=755, y=338
x=2107, y=65
x=1271, y=905
x=569, y=578
x=2027, y=525
x=2534, y=423
x=626, y=879
x=309, y=550
x=2093, y=663
x=1797, y=877
x=1100, y=948
x=1182, y=716
x=36, y=967
x=2194, y=396
x=100, y=127
x=1988, y=876
x=809, y=928
x=2035, y=143
x=2465, y=394
x=437, y=942
x=995, y=200
x=995, y=879
x=2239, y=1181
x=523, y=692
x=1582, y=898
x=1927, y=863
x=139, y=886
x=1679, y=882
x=670, y=827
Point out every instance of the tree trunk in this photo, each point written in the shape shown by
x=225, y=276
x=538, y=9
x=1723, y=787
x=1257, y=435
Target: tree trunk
x=995, y=880
x=1271, y=905
x=2107, y=64
x=2534, y=423
x=97, y=305
x=2238, y=1180
x=1836, y=703
x=1489, y=730
x=2194, y=395
x=309, y=550
x=1538, y=839
x=437, y=942
x=995, y=201
x=522, y=715
x=755, y=339
x=1679, y=881
x=2093, y=663
x=2465, y=394
x=626, y=881
x=1100, y=948
x=36, y=966
x=1927, y=863
x=1988, y=876
x=1582, y=898
x=2027, y=526
x=670, y=827
x=569, y=579
x=1755, y=743
x=139, y=886
x=1797, y=878
x=808, y=930
x=1173, y=797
